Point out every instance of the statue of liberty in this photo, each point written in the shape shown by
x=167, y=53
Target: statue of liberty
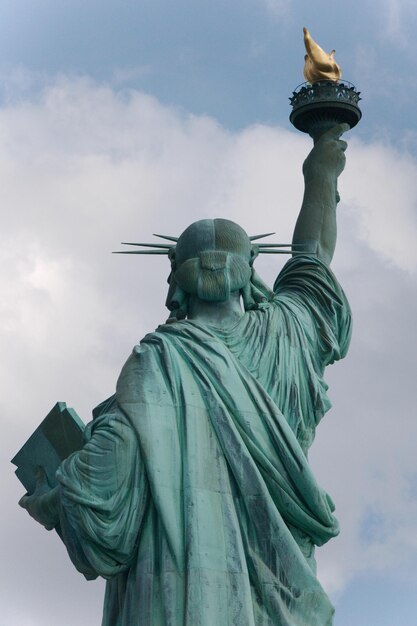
x=192, y=495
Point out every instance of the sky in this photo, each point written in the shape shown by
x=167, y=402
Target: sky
x=119, y=119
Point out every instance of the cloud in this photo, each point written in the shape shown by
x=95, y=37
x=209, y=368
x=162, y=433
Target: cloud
x=398, y=18
x=381, y=189
x=127, y=75
x=278, y=8
x=84, y=167
x=368, y=437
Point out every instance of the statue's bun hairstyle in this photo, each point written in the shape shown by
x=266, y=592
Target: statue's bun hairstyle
x=213, y=275
x=212, y=259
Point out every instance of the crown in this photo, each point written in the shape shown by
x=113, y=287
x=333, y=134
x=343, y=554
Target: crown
x=169, y=248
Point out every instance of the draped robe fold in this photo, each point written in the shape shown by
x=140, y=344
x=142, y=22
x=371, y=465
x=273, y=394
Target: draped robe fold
x=193, y=495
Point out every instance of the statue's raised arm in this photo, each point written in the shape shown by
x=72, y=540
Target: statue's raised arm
x=316, y=229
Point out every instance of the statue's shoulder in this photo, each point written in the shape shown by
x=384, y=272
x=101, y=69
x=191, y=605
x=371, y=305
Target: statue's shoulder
x=147, y=353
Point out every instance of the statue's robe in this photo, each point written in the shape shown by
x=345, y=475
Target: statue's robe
x=193, y=496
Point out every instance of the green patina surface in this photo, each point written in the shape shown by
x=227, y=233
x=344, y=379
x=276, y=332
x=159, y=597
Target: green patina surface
x=193, y=495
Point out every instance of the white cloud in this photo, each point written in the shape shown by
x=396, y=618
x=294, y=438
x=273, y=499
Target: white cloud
x=397, y=18
x=278, y=8
x=125, y=75
x=365, y=453
x=86, y=167
x=381, y=188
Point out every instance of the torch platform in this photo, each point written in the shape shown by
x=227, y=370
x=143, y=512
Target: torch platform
x=321, y=105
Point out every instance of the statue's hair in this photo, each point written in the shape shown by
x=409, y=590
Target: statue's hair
x=213, y=275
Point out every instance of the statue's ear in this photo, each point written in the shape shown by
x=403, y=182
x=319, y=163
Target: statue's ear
x=171, y=257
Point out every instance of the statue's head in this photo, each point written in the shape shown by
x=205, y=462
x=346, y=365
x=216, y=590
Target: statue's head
x=212, y=259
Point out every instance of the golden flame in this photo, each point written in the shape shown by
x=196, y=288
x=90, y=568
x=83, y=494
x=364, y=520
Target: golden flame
x=319, y=65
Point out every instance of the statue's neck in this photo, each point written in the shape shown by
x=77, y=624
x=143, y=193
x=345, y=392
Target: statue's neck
x=218, y=314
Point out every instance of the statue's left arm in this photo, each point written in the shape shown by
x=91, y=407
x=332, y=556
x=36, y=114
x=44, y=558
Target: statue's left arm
x=100, y=499
x=315, y=231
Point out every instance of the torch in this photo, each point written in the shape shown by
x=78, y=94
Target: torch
x=324, y=100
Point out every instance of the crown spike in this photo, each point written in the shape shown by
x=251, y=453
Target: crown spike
x=264, y=251
x=278, y=245
x=165, y=252
x=254, y=237
x=169, y=238
x=166, y=246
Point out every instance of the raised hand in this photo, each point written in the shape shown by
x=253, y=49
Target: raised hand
x=327, y=159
